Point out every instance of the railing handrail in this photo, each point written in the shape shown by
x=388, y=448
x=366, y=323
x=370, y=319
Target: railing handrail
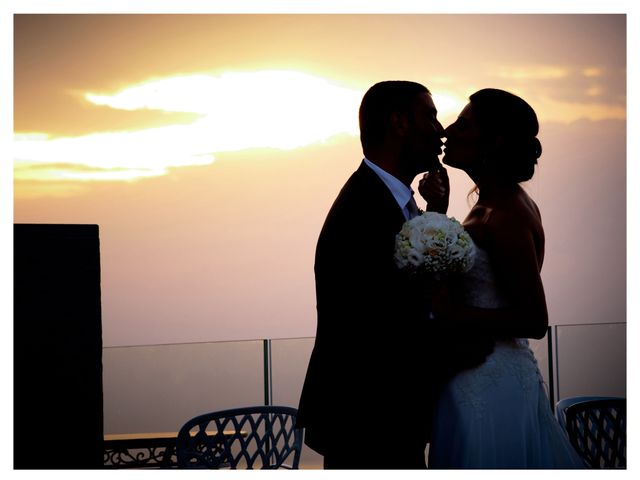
x=275, y=339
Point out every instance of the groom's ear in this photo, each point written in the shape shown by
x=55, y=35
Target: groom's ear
x=399, y=123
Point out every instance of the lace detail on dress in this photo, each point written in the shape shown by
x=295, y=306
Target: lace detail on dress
x=497, y=415
x=511, y=358
x=477, y=287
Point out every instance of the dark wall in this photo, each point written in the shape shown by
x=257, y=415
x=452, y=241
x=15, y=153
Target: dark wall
x=58, y=419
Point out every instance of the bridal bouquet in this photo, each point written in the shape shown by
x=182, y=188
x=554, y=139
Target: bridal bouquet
x=434, y=243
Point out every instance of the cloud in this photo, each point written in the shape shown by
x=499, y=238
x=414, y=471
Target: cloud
x=549, y=109
x=533, y=72
x=566, y=94
x=270, y=109
x=592, y=72
x=237, y=110
x=44, y=172
x=594, y=91
x=72, y=166
x=110, y=155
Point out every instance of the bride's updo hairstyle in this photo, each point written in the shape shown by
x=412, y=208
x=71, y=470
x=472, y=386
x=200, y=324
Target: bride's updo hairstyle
x=510, y=126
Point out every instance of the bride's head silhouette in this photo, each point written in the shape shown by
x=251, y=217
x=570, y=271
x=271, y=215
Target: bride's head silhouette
x=494, y=136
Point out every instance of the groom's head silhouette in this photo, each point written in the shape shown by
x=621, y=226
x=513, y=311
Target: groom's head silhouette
x=399, y=129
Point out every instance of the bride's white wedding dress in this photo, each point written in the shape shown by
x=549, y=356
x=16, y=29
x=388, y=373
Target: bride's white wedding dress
x=497, y=415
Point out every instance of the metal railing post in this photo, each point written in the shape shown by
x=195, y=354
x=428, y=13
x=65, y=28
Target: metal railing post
x=268, y=379
x=552, y=345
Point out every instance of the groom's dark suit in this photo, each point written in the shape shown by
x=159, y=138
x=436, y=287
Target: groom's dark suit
x=368, y=383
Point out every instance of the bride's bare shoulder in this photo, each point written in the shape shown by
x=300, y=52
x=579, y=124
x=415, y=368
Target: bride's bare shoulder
x=516, y=216
x=518, y=209
x=477, y=223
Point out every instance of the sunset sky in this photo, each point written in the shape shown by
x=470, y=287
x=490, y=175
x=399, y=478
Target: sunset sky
x=209, y=148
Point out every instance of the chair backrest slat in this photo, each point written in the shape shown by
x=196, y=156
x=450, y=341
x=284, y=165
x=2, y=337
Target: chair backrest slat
x=597, y=429
x=249, y=437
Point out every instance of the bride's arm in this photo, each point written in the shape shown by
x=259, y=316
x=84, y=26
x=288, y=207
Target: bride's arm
x=515, y=254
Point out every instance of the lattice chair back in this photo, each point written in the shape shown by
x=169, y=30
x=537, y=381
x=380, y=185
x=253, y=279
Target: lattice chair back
x=242, y=438
x=597, y=428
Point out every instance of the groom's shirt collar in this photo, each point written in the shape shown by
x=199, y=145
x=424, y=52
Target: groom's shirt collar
x=399, y=190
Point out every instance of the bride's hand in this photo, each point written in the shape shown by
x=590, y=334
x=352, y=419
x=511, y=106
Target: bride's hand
x=434, y=188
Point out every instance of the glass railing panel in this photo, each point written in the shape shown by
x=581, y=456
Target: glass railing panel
x=540, y=350
x=289, y=360
x=591, y=360
x=158, y=388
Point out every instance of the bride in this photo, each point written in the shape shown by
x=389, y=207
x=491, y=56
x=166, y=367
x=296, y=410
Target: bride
x=497, y=415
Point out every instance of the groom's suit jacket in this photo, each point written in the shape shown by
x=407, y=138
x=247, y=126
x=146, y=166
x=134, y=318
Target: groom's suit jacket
x=371, y=368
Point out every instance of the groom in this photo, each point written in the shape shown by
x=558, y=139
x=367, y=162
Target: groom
x=368, y=390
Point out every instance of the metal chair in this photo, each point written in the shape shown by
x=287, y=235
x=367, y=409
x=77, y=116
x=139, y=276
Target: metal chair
x=241, y=438
x=597, y=429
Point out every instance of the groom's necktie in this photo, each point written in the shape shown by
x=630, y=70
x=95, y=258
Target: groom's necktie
x=412, y=208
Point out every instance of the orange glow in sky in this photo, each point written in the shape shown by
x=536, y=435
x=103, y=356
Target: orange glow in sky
x=210, y=147
x=236, y=111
